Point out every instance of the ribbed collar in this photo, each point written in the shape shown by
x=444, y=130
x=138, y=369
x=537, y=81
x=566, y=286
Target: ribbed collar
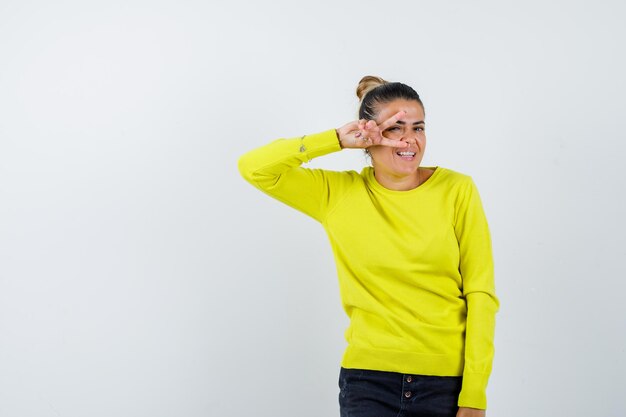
x=368, y=174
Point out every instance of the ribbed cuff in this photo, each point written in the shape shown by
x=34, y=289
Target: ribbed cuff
x=473, y=394
x=319, y=144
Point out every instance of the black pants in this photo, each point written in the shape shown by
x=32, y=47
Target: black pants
x=365, y=393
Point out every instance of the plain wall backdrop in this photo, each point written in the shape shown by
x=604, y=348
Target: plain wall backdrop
x=141, y=276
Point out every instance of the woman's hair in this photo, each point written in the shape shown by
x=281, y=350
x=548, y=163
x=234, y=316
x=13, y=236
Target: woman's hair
x=373, y=91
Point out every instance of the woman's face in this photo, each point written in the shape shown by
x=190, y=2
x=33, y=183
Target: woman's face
x=398, y=162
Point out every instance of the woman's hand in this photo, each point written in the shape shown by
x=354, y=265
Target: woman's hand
x=362, y=134
x=470, y=412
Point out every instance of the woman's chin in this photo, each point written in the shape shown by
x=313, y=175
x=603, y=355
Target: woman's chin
x=407, y=168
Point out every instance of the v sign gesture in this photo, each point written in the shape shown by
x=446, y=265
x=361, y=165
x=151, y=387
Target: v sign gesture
x=361, y=134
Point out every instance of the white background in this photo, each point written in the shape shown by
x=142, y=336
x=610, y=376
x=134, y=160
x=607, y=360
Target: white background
x=141, y=276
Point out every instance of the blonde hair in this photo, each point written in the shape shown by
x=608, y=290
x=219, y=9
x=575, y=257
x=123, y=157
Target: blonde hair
x=367, y=84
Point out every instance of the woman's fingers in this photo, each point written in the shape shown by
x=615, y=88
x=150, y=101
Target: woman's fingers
x=348, y=135
x=393, y=143
x=361, y=124
x=392, y=120
x=371, y=131
x=374, y=132
x=365, y=133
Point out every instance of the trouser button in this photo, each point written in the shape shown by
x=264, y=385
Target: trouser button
x=409, y=378
x=407, y=394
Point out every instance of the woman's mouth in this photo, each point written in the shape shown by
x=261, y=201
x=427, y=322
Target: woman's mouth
x=406, y=155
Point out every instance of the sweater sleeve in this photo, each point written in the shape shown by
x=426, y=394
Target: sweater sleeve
x=477, y=272
x=276, y=170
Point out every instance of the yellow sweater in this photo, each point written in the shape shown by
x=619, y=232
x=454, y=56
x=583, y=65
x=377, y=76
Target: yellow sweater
x=415, y=267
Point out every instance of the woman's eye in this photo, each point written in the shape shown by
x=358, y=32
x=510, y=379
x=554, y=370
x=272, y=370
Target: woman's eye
x=393, y=128
x=419, y=129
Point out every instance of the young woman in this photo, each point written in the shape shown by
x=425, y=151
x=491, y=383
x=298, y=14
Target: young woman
x=413, y=254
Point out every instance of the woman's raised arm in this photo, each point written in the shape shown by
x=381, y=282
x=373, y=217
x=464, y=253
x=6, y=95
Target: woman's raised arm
x=276, y=168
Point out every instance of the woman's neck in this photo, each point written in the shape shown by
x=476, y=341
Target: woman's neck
x=397, y=182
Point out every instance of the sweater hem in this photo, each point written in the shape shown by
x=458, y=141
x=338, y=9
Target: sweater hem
x=404, y=362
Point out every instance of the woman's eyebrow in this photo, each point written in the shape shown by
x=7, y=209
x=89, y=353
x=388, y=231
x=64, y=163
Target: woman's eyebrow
x=400, y=122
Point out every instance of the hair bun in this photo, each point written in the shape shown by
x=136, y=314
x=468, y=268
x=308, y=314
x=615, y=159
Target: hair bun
x=367, y=84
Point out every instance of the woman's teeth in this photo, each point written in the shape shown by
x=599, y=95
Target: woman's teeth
x=406, y=153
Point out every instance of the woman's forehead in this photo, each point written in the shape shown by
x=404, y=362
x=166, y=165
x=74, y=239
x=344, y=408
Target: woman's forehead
x=412, y=108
